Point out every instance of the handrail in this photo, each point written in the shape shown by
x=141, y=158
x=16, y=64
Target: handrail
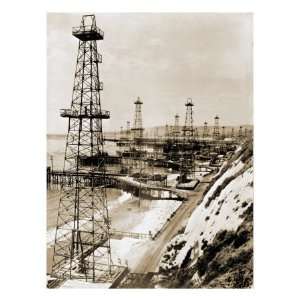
x=87, y=28
x=68, y=112
x=131, y=234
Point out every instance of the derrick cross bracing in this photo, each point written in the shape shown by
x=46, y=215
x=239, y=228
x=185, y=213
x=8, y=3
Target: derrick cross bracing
x=205, y=130
x=188, y=129
x=223, y=132
x=83, y=218
x=137, y=131
x=240, y=134
x=138, y=122
x=176, y=129
x=216, y=132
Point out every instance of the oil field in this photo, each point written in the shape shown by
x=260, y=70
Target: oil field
x=162, y=205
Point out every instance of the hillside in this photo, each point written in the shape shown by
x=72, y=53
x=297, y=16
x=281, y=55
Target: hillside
x=215, y=248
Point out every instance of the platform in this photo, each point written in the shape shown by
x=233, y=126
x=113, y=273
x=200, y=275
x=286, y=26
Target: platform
x=96, y=114
x=88, y=33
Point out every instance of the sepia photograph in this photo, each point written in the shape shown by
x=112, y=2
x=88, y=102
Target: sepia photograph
x=150, y=173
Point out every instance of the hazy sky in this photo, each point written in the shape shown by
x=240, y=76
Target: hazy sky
x=164, y=59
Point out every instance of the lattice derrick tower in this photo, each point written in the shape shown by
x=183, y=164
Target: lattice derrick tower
x=137, y=130
x=205, y=130
x=223, y=132
x=232, y=133
x=138, y=122
x=176, y=130
x=188, y=129
x=82, y=229
x=196, y=132
x=128, y=131
x=250, y=133
x=121, y=132
x=167, y=131
x=216, y=132
x=187, y=164
x=128, y=161
x=240, y=134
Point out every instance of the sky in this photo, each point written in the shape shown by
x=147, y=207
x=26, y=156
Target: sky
x=162, y=58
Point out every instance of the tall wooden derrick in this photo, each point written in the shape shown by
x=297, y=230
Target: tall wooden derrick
x=187, y=165
x=138, y=121
x=176, y=128
x=223, y=132
x=240, y=134
x=232, y=133
x=216, y=132
x=82, y=239
x=188, y=129
x=205, y=131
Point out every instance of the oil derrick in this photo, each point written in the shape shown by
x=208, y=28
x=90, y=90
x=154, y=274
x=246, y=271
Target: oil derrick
x=187, y=157
x=126, y=150
x=156, y=133
x=250, y=133
x=138, y=123
x=121, y=133
x=128, y=132
x=240, y=134
x=188, y=130
x=176, y=130
x=232, y=133
x=196, y=133
x=167, y=132
x=187, y=166
x=128, y=161
x=82, y=229
x=246, y=132
x=223, y=133
x=216, y=132
x=205, y=130
x=137, y=129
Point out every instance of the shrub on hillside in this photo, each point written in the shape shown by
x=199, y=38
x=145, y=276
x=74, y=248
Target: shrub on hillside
x=241, y=238
x=206, y=263
x=179, y=246
x=248, y=213
x=219, y=189
x=247, y=153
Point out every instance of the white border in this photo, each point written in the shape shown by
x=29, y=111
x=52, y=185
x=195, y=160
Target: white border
x=23, y=147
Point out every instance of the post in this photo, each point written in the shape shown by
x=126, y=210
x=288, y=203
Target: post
x=51, y=158
x=140, y=187
x=140, y=190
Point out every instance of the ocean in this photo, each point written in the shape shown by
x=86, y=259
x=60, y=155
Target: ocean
x=56, y=145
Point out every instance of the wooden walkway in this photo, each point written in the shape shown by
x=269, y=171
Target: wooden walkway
x=157, y=192
x=118, y=234
x=135, y=235
x=114, y=180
